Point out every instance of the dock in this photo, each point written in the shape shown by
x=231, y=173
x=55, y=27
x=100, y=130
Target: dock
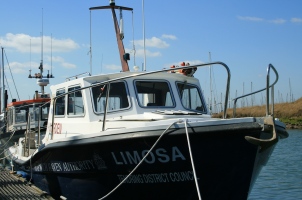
x=13, y=186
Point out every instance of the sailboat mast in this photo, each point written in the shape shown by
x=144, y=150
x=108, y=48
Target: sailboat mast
x=211, y=89
x=2, y=88
x=291, y=99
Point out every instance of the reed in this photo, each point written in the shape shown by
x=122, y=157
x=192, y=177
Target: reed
x=288, y=113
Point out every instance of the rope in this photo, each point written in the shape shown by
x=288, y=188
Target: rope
x=6, y=143
x=192, y=161
x=4, y=156
x=139, y=162
x=191, y=157
x=7, y=85
x=27, y=130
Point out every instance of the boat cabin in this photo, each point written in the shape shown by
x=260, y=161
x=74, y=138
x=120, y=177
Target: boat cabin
x=83, y=104
x=19, y=113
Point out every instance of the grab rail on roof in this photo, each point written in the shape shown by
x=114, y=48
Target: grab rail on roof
x=77, y=76
x=147, y=73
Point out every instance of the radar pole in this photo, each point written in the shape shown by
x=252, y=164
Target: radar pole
x=124, y=57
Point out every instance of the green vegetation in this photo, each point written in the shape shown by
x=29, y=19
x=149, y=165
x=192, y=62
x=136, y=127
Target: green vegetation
x=288, y=113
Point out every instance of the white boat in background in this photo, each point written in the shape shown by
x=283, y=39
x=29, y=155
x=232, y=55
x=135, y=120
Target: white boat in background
x=29, y=115
x=145, y=135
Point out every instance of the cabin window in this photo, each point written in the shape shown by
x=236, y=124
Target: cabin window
x=60, y=103
x=117, y=100
x=75, y=101
x=190, y=97
x=154, y=94
x=33, y=113
x=20, y=115
x=10, y=116
x=44, y=112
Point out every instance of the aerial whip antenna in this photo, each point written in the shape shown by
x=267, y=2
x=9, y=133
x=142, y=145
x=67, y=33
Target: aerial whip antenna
x=144, y=68
x=90, y=49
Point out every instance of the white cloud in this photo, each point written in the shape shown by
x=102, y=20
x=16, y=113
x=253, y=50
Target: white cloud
x=55, y=58
x=140, y=53
x=171, y=37
x=21, y=68
x=153, y=42
x=255, y=19
x=60, y=60
x=113, y=67
x=68, y=65
x=18, y=68
x=277, y=21
x=296, y=20
x=25, y=43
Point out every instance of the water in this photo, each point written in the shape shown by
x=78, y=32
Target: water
x=281, y=178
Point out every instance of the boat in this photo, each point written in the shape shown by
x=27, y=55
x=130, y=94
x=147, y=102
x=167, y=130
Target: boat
x=29, y=115
x=146, y=135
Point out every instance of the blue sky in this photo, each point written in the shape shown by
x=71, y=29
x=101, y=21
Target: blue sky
x=246, y=35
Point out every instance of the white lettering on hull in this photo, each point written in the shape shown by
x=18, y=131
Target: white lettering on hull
x=160, y=155
x=158, y=178
x=76, y=166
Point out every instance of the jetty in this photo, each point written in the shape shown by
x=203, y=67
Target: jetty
x=13, y=186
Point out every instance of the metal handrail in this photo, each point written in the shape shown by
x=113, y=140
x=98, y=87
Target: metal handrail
x=147, y=73
x=267, y=91
x=28, y=123
x=106, y=106
x=77, y=76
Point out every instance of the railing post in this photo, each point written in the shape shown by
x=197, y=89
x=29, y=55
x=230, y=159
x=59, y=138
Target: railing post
x=267, y=91
x=106, y=105
x=53, y=116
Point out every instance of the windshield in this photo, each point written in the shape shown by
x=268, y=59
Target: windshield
x=117, y=99
x=190, y=97
x=154, y=94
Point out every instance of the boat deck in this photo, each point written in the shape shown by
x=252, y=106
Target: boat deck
x=14, y=187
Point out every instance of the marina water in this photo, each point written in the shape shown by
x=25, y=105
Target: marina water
x=281, y=178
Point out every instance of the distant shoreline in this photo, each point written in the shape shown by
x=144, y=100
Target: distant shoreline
x=288, y=113
x=293, y=126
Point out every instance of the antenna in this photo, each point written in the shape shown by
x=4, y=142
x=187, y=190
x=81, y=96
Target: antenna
x=50, y=76
x=29, y=76
x=42, y=81
x=144, y=67
x=134, y=51
x=42, y=43
x=90, y=49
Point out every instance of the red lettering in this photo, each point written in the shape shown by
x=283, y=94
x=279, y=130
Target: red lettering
x=57, y=128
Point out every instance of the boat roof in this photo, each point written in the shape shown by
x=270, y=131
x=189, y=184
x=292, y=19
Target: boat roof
x=126, y=75
x=27, y=102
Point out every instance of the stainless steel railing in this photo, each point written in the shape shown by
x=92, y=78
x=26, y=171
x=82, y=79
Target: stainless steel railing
x=268, y=86
x=107, y=82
